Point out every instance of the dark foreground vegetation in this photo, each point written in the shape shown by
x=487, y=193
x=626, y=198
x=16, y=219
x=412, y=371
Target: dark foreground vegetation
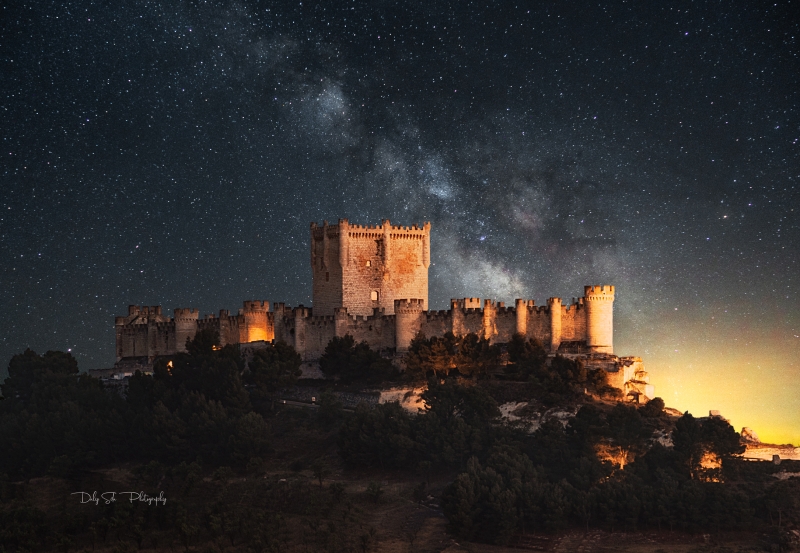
x=242, y=471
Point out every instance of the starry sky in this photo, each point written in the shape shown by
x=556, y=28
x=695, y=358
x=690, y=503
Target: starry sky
x=175, y=153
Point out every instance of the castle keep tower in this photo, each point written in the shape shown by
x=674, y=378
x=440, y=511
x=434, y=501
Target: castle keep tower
x=599, y=302
x=366, y=267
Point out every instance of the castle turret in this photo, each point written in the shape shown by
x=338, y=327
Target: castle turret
x=521, y=311
x=280, y=330
x=185, y=326
x=457, y=319
x=255, y=327
x=489, y=319
x=554, y=305
x=599, y=301
x=300, y=315
x=522, y=308
x=408, y=321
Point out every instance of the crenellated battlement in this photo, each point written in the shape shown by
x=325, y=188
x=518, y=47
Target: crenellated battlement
x=186, y=313
x=438, y=315
x=575, y=306
x=409, y=305
x=301, y=312
x=256, y=305
x=598, y=292
x=465, y=303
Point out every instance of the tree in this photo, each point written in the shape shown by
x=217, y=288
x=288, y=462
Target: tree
x=28, y=368
x=721, y=438
x=457, y=422
x=475, y=356
x=693, y=440
x=274, y=367
x=434, y=356
x=330, y=409
x=58, y=420
x=438, y=356
x=207, y=369
x=528, y=357
x=320, y=470
x=470, y=403
x=349, y=361
x=490, y=502
x=378, y=436
x=687, y=442
x=653, y=408
x=627, y=432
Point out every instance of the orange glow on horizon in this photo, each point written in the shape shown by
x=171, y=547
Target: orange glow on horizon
x=750, y=373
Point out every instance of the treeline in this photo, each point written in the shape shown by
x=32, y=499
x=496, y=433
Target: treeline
x=199, y=405
x=603, y=469
x=551, y=380
x=207, y=411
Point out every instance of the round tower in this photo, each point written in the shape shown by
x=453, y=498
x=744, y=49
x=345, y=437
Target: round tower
x=185, y=326
x=408, y=320
x=599, y=301
x=457, y=319
x=555, y=323
x=522, y=308
x=255, y=321
x=489, y=320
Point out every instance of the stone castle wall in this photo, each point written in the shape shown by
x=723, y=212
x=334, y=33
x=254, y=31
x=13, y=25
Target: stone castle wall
x=371, y=282
x=555, y=324
x=146, y=332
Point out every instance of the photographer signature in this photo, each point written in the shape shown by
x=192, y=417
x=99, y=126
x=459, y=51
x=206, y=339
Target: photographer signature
x=111, y=497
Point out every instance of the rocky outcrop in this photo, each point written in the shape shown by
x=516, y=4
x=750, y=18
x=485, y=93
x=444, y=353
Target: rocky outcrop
x=749, y=436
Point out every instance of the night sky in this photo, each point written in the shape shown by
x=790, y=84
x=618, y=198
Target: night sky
x=175, y=153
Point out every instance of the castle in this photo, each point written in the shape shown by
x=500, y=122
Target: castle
x=371, y=282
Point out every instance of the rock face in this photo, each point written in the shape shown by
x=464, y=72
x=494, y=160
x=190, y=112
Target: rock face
x=749, y=436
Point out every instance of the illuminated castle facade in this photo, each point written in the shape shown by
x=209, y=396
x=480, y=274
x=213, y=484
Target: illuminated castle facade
x=371, y=282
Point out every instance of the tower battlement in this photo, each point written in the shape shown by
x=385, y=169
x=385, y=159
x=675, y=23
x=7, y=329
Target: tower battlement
x=411, y=304
x=598, y=292
x=257, y=305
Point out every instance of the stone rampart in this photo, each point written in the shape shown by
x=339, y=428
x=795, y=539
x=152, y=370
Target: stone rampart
x=371, y=282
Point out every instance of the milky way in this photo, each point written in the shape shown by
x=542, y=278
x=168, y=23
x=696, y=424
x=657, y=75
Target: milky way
x=176, y=154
